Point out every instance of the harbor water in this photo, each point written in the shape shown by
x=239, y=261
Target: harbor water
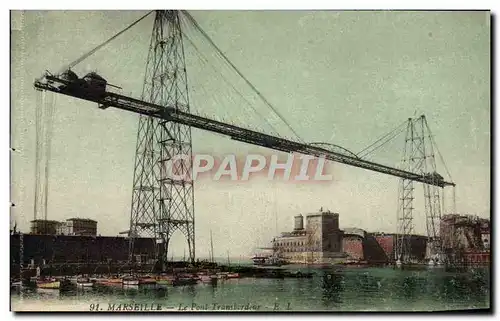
x=349, y=289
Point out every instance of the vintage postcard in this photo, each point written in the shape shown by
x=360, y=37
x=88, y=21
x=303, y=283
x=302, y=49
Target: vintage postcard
x=250, y=161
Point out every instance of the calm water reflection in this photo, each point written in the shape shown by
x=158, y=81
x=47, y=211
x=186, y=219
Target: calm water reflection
x=369, y=289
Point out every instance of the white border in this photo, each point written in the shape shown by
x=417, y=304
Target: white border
x=254, y=5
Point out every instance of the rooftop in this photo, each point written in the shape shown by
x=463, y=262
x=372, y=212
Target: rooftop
x=354, y=231
x=81, y=219
x=295, y=233
x=322, y=214
x=46, y=221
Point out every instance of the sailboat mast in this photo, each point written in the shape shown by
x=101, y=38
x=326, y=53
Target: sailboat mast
x=211, y=248
x=276, y=210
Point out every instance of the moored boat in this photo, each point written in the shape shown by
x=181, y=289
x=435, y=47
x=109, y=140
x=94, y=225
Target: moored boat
x=163, y=283
x=165, y=280
x=108, y=284
x=269, y=260
x=15, y=285
x=147, y=280
x=131, y=286
x=84, y=283
x=178, y=281
x=354, y=264
x=130, y=280
x=48, y=284
x=208, y=278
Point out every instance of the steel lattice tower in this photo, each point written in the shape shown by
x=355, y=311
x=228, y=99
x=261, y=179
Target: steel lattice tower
x=161, y=205
x=418, y=158
x=433, y=195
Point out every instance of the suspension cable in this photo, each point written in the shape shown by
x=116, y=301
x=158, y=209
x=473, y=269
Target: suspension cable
x=205, y=35
x=44, y=119
x=38, y=118
x=91, y=52
x=48, y=141
x=204, y=58
x=367, y=151
x=381, y=144
x=437, y=148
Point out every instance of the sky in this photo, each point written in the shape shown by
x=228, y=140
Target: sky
x=345, y=78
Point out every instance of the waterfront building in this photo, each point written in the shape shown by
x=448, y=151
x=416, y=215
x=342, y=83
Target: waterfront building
x=72, y=226
x=62, y=229
x=81, y=226
x=353, y=244
x=320, y=241
x=466, y=239
x=44, y=227
x=464, y=232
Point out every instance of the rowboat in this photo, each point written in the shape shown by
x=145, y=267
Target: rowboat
x=147, y=280
x=164, y=280
x=16, y=285
x=130, y=281
x=184, y=281
x=206, y=277
x=48, y=284
x=84, y=283
x=163, y=283
x=49, y=293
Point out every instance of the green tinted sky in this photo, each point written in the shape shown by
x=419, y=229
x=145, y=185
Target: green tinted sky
x=340, y=77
